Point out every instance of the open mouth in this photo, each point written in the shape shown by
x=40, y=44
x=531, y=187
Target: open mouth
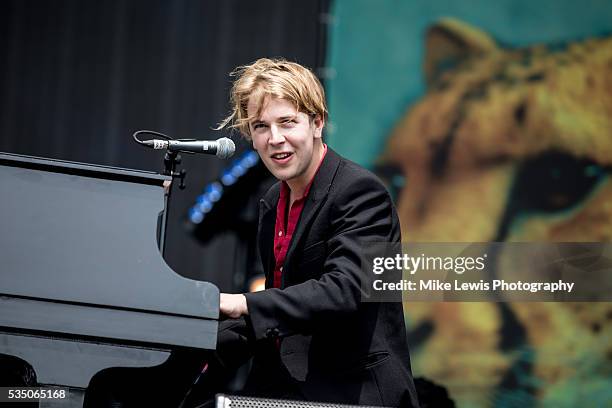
x=281, y=157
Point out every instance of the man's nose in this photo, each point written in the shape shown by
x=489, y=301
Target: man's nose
x=276, y=136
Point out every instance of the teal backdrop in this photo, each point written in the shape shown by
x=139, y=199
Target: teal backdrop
x=375, y=52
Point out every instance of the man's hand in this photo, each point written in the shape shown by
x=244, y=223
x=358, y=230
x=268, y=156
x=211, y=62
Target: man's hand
x=233, y=306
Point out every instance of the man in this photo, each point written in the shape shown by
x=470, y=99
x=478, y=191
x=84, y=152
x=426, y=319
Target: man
x=313, y=338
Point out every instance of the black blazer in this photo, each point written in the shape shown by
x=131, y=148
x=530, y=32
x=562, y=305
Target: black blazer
x=336, y=347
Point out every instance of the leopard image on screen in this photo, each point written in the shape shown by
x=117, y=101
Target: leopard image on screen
x=508, y=144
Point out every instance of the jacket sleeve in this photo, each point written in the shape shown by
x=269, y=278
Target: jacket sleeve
x=362, y=212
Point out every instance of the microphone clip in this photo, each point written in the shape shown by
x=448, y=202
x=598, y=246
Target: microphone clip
x=171, y=159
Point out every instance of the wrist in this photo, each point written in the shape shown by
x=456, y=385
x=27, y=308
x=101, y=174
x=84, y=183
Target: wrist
x=245, y=306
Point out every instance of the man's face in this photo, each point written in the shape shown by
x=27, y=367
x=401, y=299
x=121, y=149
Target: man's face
x=285, y=140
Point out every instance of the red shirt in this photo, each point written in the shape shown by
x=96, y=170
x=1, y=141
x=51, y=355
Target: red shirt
x=283, y=231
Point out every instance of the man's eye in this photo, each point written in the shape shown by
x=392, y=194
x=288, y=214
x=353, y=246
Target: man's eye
x=259, y=126
x=289, y=122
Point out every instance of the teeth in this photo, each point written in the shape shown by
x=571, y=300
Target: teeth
x=282, y=156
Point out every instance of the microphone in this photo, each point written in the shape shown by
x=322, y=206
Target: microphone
x=222, y=148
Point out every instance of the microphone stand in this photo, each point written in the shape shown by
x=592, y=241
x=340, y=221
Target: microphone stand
x=171, y=159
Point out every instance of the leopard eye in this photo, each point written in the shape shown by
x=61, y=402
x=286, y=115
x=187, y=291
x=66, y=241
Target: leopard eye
x=554, y=182
x=393, y=177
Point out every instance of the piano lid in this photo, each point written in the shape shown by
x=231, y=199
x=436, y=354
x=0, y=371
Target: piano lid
x=82, y=234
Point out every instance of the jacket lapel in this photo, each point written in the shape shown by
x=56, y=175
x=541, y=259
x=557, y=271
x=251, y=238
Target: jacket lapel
x=267, y=214
x=316, y=197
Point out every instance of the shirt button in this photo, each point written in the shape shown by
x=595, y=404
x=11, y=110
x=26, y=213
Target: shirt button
x=281, y=268
x=280, y=233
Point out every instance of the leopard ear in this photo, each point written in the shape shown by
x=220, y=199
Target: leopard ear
x=450, y=41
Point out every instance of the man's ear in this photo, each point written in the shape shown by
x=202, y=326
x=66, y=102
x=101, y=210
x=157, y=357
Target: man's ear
x=318, y=123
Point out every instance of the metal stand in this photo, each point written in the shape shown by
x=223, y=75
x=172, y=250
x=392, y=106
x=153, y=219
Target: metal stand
x=171, y=159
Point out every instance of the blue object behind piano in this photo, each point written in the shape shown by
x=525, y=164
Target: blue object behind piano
x=214, y=191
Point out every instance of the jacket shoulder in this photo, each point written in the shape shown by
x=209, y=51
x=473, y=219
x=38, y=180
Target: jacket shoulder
x=353, y=177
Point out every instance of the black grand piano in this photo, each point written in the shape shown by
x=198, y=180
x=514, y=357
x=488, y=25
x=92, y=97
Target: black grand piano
x=83, y=285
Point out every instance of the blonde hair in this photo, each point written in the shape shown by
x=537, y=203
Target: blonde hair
x=276, y=78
